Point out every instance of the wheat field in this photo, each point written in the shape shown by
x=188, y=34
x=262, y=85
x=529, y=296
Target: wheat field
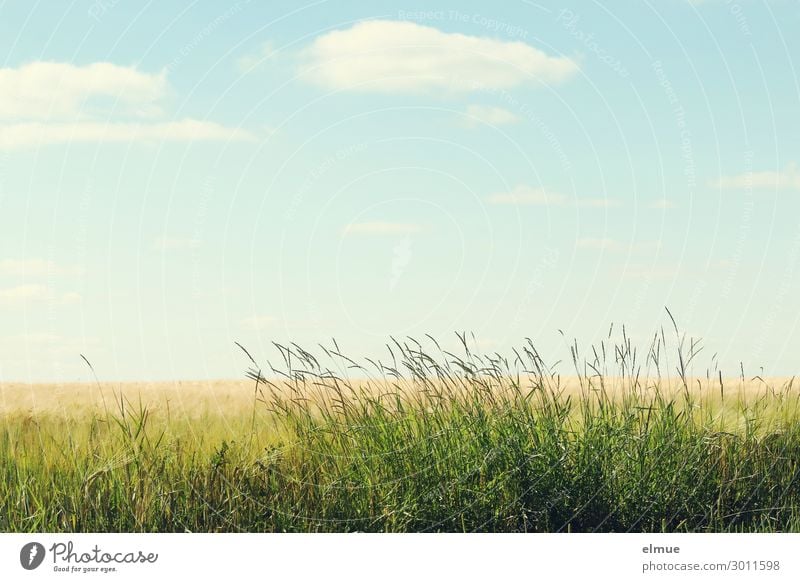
x=431, y=441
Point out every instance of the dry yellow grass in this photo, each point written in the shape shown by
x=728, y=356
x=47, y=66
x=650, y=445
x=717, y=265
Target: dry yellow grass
x=187, y=399
x=232, y=400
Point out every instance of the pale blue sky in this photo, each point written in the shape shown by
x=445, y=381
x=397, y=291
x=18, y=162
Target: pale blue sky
x=178, y=176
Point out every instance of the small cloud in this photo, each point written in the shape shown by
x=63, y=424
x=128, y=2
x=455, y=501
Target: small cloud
x=24, y=293
x=788, y=179
x=486, y=344
x=483, y=115
x=380, y=228
x=251, y=62
x=662, y=204
x=603, y=244
x=651, y=272
x=71, y=298
x=49, y=345
x=537, y=196
x=166, y=243
x=527, y=195
x=21, y=268
x=612, y=245
x=390, y=56
x=33, y=268
x=258, y=322
x=38, y=339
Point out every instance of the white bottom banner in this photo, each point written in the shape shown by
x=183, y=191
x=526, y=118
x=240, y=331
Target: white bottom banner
x=354, y=557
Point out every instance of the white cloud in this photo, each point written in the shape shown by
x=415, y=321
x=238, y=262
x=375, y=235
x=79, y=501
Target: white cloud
x=23, y=294
x=523, y=195
x=47, y=346
x=249, y=63
x=788, y=179
x=38, y=339
x=612, y=245
x=379, y=228
x=35, y=293
x=652, y=272
x=167, y=243
x=602, y=244
x=258, y=322
x=30, y=268
x=49, y=90
x=26, y=135
x=662, y=204
x=528, y=195
x=481, y=114
x=70, y=298
x=401, y=56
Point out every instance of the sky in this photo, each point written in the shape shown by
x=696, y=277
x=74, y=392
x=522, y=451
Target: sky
x=179, y=176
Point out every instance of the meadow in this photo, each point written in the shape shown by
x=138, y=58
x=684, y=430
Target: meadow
x=428, y=440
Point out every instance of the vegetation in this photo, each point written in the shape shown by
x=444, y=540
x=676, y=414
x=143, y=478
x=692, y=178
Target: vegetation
x=440, y=442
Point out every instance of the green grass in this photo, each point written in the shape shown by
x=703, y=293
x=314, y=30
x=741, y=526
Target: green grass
x=444, y=443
